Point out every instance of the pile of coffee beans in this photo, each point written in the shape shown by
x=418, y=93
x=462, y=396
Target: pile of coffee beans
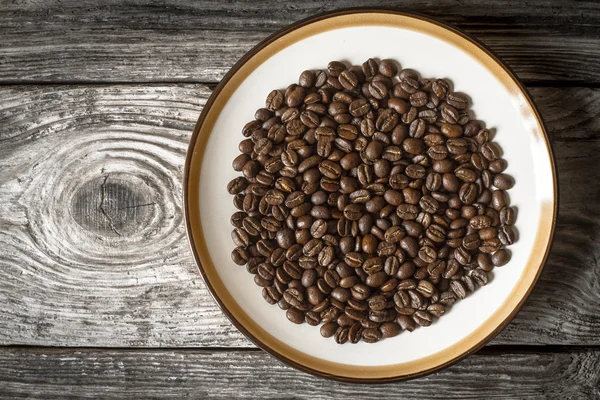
x=370, y=200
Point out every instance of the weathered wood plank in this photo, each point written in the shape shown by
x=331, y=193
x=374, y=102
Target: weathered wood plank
x=178, y=40
x=93, y=245
x=69, y=373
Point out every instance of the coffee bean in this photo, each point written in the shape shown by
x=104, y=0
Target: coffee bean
x=307, y=79
x=457, y=100
x=285, y=238
x=458, y=289
x=351, y=182
x=480, y=276
x=371, y=335
x=418, y=99
x=294, y=315
x=409, y=84
x=413, y=146
x=500, y=257
x=423, y=318
x=507, y=216
x=448, y=298
x=506, y=235
x=274, y=100
x=240, y=256
x=328, y=329
x=389, y=329
x=489, y=246
x=271, y=295
x=490, y=151
x=312, y=318
x=497, y=166
x=348, y=80
x=341, y=335
x=406, y=323
x=503, y=181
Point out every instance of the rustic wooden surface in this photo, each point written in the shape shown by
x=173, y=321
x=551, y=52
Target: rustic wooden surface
x=97, y=104
x=181, y=40
x=249, y=374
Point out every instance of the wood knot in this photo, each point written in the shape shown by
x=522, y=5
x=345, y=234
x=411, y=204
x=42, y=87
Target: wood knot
x=114, y=205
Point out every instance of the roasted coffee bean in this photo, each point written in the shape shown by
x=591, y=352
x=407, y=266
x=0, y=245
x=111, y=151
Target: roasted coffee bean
x=373, y=265
x=480, y=276
x=360, y=291
x=458, y=289
x=377, y=279
x=413, y=146
x=409, y=84
x=348, y=80
x=335, y=68
x=307, y=79
x=293, y=297
x=353, y=212
x=457, y=100
x=240, y=255
x=371, y=335
x=406, y=323
x=237, y=185
x=506, y=234
x=490, y=151
x=278, y=257
x=294, y=315
x=240, y=237
x=314, y=295
x=312, y=247
x=328, y=329
x=507, y=216
x=448, y=298
x=309, y=277
x=500, y=258
x=468, y=193
x=451, y=130
x=389, y=329
x=271, y=295
x=355, y=333
x=285, y=238
x=368, y=205
x=341, y=335
x=497, y=166
x=503, y=181
x=480, y=222
x=274, y=100
x=388, y=68
x=410, y=246
x=489, y=246
x=312, y=318
x=423, y=318
x=426, y=288
x=370, y=68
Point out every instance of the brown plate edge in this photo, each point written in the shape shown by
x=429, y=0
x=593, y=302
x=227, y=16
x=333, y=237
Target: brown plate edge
x=190, y=153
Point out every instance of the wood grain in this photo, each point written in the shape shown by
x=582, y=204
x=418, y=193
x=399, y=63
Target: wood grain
x=93, y=245
x=202, y=374
x=178, y=40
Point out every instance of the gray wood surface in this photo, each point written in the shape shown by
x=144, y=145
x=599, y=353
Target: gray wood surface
x=201, y=374
x=97, y=104
x=94, y=248
x=180, y=40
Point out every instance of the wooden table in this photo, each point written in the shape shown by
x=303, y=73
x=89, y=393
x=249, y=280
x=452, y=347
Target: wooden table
x=99, y=295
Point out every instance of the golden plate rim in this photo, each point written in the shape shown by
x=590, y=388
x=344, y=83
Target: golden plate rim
x=302, y=361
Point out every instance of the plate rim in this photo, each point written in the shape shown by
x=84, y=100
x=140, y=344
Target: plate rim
x=265, y=346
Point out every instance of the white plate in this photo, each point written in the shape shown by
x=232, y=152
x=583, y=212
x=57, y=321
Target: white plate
x=434, y=51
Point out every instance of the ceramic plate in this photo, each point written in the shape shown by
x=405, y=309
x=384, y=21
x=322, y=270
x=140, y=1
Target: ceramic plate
x=435, y=50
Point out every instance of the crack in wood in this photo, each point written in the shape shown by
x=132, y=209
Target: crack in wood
x=101, y=206
x=136, y=206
